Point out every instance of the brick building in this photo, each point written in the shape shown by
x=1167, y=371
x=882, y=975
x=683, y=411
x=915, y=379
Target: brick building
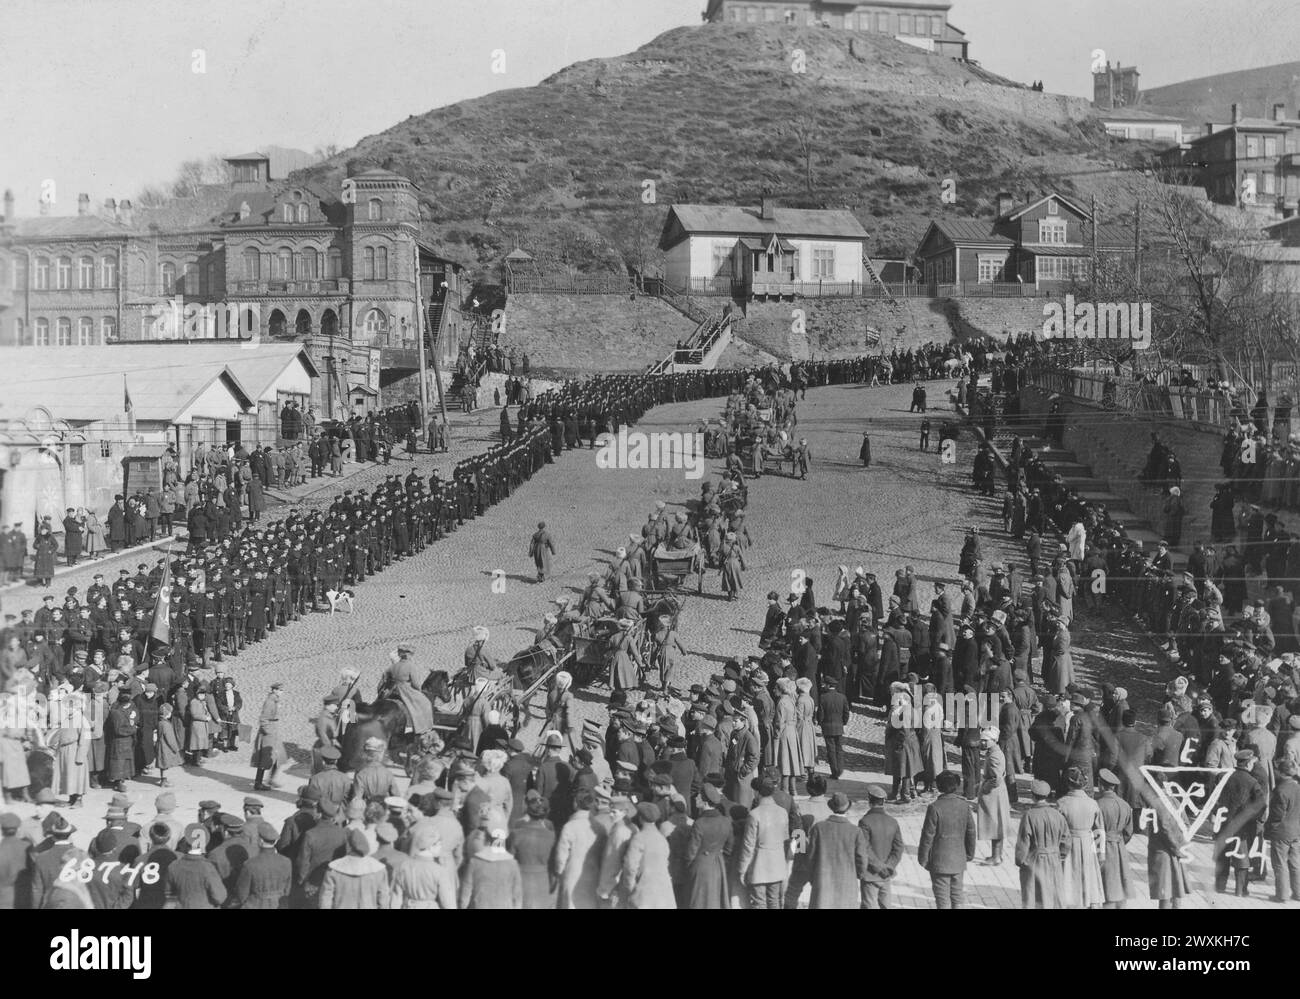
x=283, y=260
x=1253, y=163
x=924, y=25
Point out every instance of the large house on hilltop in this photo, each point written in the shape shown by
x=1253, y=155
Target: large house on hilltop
x=1044, y=244
x=332, y=270
x=924, y=25
x=1252, y=163
x=743, y=252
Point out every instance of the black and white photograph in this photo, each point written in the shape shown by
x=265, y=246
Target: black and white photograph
x=650, y=454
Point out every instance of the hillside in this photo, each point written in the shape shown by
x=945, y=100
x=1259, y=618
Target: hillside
x=716, y=114
x=1210, y=98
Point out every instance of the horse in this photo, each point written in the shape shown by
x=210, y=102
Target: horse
x=386, y=719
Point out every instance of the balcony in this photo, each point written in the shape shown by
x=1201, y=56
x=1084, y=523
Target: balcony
x=319, y=286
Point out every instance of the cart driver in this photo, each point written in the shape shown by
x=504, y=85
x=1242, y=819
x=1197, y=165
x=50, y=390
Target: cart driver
x=479, y=660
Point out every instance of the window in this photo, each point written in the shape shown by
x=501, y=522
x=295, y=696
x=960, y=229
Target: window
x=375, y=209
x=63, y=273
x=41, y=336
x=1270, y=145
x=302, y=213
x=86, y=273
x=76, y=454
x=42, y=274
x=108, y=329
x=990, y=269
x=252, y=265
x=167, y=278
x=190, y=282
x=751, y=14
x=381, y=264
x=65, y=331
x=20, y=331
x=1062, y=268
x=722, y=266
x=1053, y=208
x=882, y=23
x=288, y=213
x=1051, y=231
x=20, y=272
x=106, y=449
x=370, y=263
x=310, y=264
x=284, y=264
x=85, y=331
x=334, y=263
x=108, y=272
x=1269, y=183
x=769, y=14
x=1252, y=146
x=823, y=264
x=376, y=323
x=904, y=24
x=735, y=13
x=936, y=26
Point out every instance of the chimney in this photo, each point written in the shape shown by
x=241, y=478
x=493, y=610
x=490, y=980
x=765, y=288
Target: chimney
x=1236, y=113
x=1279, y=112
x=124, y=211
x=9, y=204
x=767, y=208
x=110, y=208
x=83, y=204
x=1004, y=204
x=1209, y=128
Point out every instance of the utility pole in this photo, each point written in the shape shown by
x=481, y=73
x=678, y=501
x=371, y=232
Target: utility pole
x=1094, y=247
x=420, y=325
x=1137, y=242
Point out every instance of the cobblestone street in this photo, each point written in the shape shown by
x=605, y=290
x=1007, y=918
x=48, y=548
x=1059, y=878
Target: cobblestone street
x=908, y=508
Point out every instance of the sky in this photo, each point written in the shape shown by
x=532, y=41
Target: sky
x=106, y=96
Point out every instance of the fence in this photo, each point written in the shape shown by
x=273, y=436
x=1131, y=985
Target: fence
x=1207, y=409
x=574, y=284
x=858, y=289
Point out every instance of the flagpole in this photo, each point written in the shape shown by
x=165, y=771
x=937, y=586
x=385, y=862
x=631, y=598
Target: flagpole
x=160, y=632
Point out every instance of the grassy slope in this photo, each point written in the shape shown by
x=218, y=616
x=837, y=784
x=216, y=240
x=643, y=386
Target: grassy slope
x=708, y=114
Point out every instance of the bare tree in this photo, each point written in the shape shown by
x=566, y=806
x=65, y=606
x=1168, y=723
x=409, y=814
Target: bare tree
x=189, y=178
x=806, y=132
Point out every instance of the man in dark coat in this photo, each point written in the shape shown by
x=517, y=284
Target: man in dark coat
x=192, y=881
x=838, y=859
x=947, y=842
x=1236, y=824
x=832, y=715
x=712, y=838
x=323, y=842
x=1047, y=735
x=117, y=523
x=120, y=728
x=266, y=878
x=885, y=843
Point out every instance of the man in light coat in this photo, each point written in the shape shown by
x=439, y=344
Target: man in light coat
x=765, y=851
x=647, y=880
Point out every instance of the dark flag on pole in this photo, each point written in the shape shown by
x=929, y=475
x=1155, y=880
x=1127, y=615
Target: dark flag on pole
x=160, y=632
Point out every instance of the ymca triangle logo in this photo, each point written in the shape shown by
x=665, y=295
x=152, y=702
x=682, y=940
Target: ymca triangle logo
x=1185, y=792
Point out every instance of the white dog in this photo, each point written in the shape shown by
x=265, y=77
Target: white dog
x=339, y=598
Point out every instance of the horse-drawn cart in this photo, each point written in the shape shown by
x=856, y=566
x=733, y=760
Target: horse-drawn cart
x=511, y=695
x=673, y=568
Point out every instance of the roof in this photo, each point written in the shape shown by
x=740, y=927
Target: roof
x=67, y=226
x=1274, y=253
x=90, y=387
x=1251, y=125
x=969, y=231
x=1073, y=205
x=519, y=254
x=735, y=220
x=1137, y=114
x=248, y=156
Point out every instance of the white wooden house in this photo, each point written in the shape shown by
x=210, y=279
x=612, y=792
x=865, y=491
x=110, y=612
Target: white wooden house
x=768, y=250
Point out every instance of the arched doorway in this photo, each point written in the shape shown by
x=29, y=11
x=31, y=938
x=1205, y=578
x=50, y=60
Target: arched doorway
x=329, y=323
x=302, y=325
x=277, y=324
